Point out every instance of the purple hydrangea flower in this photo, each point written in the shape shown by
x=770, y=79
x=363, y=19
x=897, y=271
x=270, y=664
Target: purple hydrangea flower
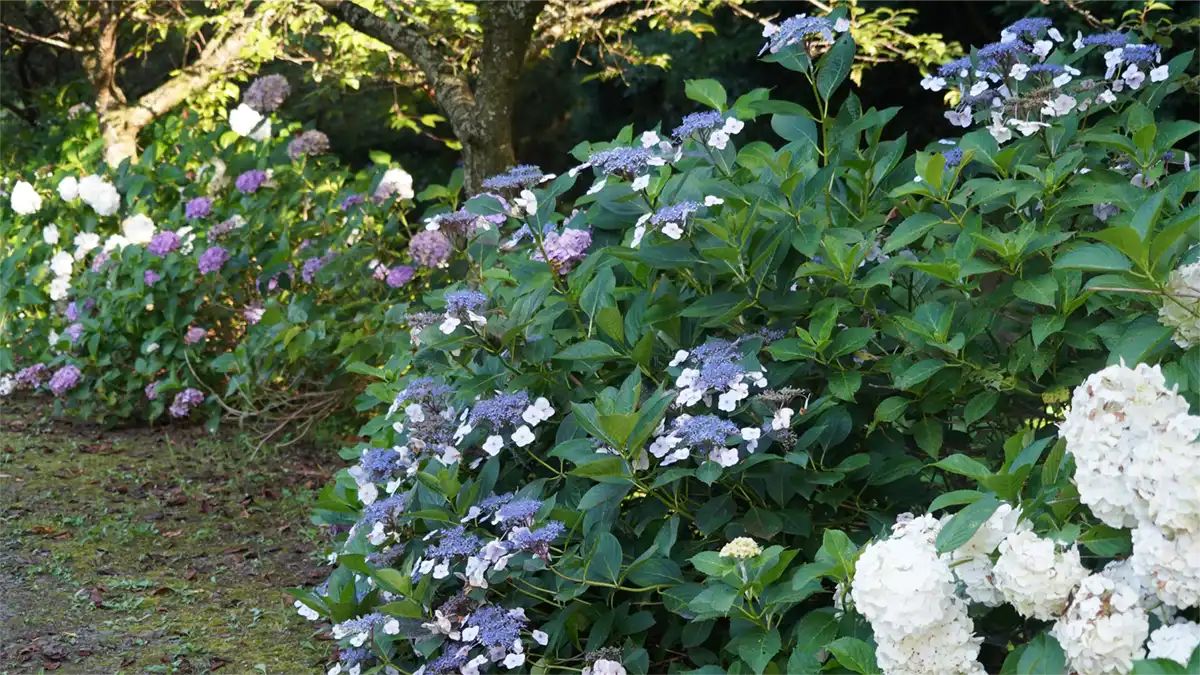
x=1046, y=68
x=383, y=509
x=152, y=391
x=213, y=259
x=461, y=222
x=352, y=201
x=100, y=261
x=249, y=182
x=74, y=332
x=253, y=313
x=675, y=213
x=1142, y=53
x=430, y=248
x=194, y=334
x=697, y=123
x=311, y=142
x=163, y=243
x=450, y=662
x=503, y=408
x=516, y=178
x=72, y=311
x=953, y=68
x=200, y=207
x=998, y=50
x=65, y=379
x=565, y=250
x=223, y=228
x=309, y=270
x=399, y=276
x=32, y=376
x=150, y=277
x=423, y=390
x=705, y=430
x=497, y=627
x=267, y=93
x=185, y=401
x=494, y=502
x=376, y=465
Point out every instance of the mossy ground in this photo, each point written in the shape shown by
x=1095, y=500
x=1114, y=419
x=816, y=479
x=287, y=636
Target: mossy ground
x=151, y=550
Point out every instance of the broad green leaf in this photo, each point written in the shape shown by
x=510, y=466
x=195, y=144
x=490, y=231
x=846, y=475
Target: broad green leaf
x=955, y=498
x=855, y=655
x=845, y=383
x=1106, y=541
x=1093, y=257
x=833, y=68
x=891, y=409
x=604, y=564
x=708, y=92
x=918, y=373
x=588, y=350
x=980, y=405
x=815, y=630
x=758, y=648
x=1042, y=656
x=1040, y=290
x=928, y=434
x=964, y=466
x=965, y=523
x=913, y=228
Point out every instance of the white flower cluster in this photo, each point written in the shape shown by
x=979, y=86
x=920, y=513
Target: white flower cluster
x=1132, y=438
x=1036, y=575
x=1181, y=309
x=604, y=667
x=249, y=123
x=8, y=384
x=24, y=199
x=1138, y=465
x=971, y=562
x=1176, y=641
x=395, y=182
x=1103, y=630
x=740, y=548
x=96, y=192
x=907, y=593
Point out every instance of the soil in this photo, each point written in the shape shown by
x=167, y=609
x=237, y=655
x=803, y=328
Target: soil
x=153, y=550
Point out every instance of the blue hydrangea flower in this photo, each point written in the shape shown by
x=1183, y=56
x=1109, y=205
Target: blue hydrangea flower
x=521, y=509
x=1106, y=39
x=424, y=390
x=497, y=627
x=378, y=464
x=997, y=50
x=516, y=178
x=384, y=509
x=697, y=123
x=501, y=409
x=455, y=541
x=705, y=430
x=1029, y=27
x=494, y=502
x=953, y=158
x=675, y=213
x=1051, y=68
x=1142, y=53
x=621, y=161
x=795, y=30
x=450, y=662
x=538, y=540
x=460, y=302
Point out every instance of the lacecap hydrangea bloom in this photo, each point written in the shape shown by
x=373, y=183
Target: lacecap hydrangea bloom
x=516, y=178
x=1181, y=308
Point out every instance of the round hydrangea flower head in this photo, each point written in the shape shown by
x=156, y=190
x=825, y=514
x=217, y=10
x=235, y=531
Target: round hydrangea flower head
x=185, y=401
x=249, y=123
x=163, y=243
x=1176, y=642
x=740, y=548
x=564, y=250
x=225, y=227
x=1103, y=630
x=1036, y=576
x=65, y=379
x=150, y=277
x=399, y=276
x=100, y=195
x=352, y=201
x=212, y=259
x=194, y=334
x=138, y=229
x=971, y=562
x=152, y=391
x=31, y=377
x=516, y=178
x=200, y=207
x=1172, y=563
x=50, y=234
x=61, y=264
x=396, y=182
x=430, y=248
x=1181, y=310
x=311, y=142
x=68, y=189
x=249, y=182
x=794, y=31
x=267, y=93
x=949, y=647
x=24, y=199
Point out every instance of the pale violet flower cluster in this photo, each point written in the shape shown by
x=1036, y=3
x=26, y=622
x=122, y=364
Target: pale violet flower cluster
x=511, y=414
x=429, y=418
x=1018, y=83
x=463, y=306
x=906, y=591
x=715, y=368
x=1181, y=307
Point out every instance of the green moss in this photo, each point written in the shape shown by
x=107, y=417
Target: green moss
x=151, y=551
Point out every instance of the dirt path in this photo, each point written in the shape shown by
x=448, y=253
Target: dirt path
x=158, y=551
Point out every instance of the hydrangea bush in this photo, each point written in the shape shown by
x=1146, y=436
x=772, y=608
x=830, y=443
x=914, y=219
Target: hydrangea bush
x=234, y=273
x=826, y=405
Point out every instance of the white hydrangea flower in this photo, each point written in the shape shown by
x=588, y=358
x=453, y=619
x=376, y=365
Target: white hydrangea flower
x=718, y=139
x=523, y=436
x=395, y=182
x=100, y=195
x=933, y=83
x=1133, y=77
x=1042, y=48
x=50, y=234
x=24, y=199
x=641, y=183
x=1159, y=74
x=8, y=383
x=740, y=548
x=1181, y=310
x=61, y=264
x=306, y=611
x=115, y=241
x=1176, y=642
x=538, y=412
x=493, y=445
x=1122, y=572
x=959, y=118
x=245, y=122
x=1134, y=457
x=449, y=325
x=1060, y=106
x=68, y=188
x=1171, y=562
x=782, y=419
x=650, y=139
x=1035, y=576
x=1103, y=629
x=949, y=647
x=971, y=562
x=59, y=288
x=673, y=231
x=711, y=200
